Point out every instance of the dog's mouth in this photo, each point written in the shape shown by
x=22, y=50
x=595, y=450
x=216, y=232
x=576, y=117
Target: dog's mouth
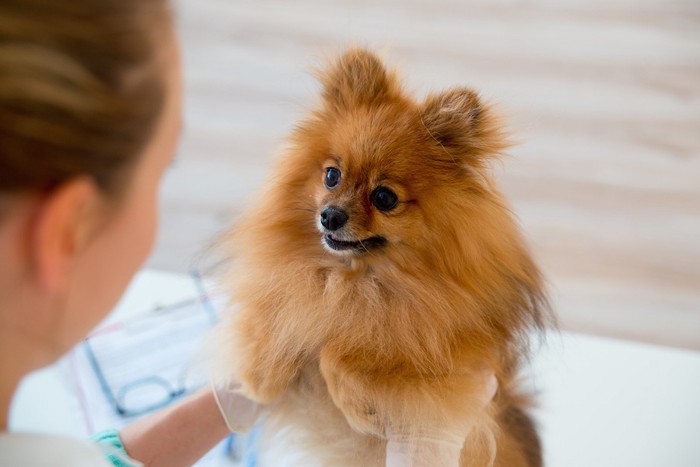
x=365, y=245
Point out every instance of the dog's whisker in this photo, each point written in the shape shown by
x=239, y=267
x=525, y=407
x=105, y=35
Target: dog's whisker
x=363, y=246
x=313, y=211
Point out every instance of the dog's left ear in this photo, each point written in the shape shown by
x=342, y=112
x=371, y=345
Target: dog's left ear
x=463, y=125
x=356, y=78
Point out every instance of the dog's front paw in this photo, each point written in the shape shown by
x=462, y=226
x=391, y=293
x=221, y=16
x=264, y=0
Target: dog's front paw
x=266, y=381
x=263, y=367
x=262, y=388
x=353, y=395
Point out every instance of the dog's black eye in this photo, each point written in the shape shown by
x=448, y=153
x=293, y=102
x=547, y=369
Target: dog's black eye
x=332, y=177
x=384, y=199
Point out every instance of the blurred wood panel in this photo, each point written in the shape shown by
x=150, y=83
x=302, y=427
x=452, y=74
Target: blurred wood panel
x=603, y=97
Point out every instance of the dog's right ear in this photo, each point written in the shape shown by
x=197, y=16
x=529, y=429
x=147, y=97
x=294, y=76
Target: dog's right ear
x=356, y=78
x=463, y=125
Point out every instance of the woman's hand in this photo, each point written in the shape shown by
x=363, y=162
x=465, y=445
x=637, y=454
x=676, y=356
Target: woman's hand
x=178, y=435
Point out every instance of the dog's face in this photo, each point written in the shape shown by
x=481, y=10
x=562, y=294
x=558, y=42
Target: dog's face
x=387, y=172
x=367, y=193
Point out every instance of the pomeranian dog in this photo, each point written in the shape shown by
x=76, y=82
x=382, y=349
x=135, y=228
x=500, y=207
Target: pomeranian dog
x=376, y=277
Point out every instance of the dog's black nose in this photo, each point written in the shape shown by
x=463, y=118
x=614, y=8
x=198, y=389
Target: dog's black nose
x=333, y=217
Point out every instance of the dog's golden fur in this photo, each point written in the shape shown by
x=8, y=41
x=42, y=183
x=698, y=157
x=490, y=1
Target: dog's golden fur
x=355, y=344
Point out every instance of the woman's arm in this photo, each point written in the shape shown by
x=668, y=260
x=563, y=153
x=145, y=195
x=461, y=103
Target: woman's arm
x=178, y=435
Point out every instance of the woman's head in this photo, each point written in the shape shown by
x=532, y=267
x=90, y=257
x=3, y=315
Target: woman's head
x=80, y=91
x=89, y=118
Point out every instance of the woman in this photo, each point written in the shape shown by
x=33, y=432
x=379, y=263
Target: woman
x=90, y=109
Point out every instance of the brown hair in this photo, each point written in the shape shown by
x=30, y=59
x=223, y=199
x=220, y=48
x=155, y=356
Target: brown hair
x=80, y=91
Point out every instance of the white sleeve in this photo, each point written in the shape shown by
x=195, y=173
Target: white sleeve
x=443, y=449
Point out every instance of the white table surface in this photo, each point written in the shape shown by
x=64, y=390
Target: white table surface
x=603, y=402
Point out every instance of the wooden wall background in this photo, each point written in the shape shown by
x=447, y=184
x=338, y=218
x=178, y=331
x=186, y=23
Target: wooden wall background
x=604, y=97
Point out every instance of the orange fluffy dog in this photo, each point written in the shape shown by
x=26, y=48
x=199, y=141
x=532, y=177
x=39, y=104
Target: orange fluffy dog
x=378, y=277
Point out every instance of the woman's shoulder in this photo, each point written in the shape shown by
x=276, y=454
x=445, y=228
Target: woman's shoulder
x=28, y=449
